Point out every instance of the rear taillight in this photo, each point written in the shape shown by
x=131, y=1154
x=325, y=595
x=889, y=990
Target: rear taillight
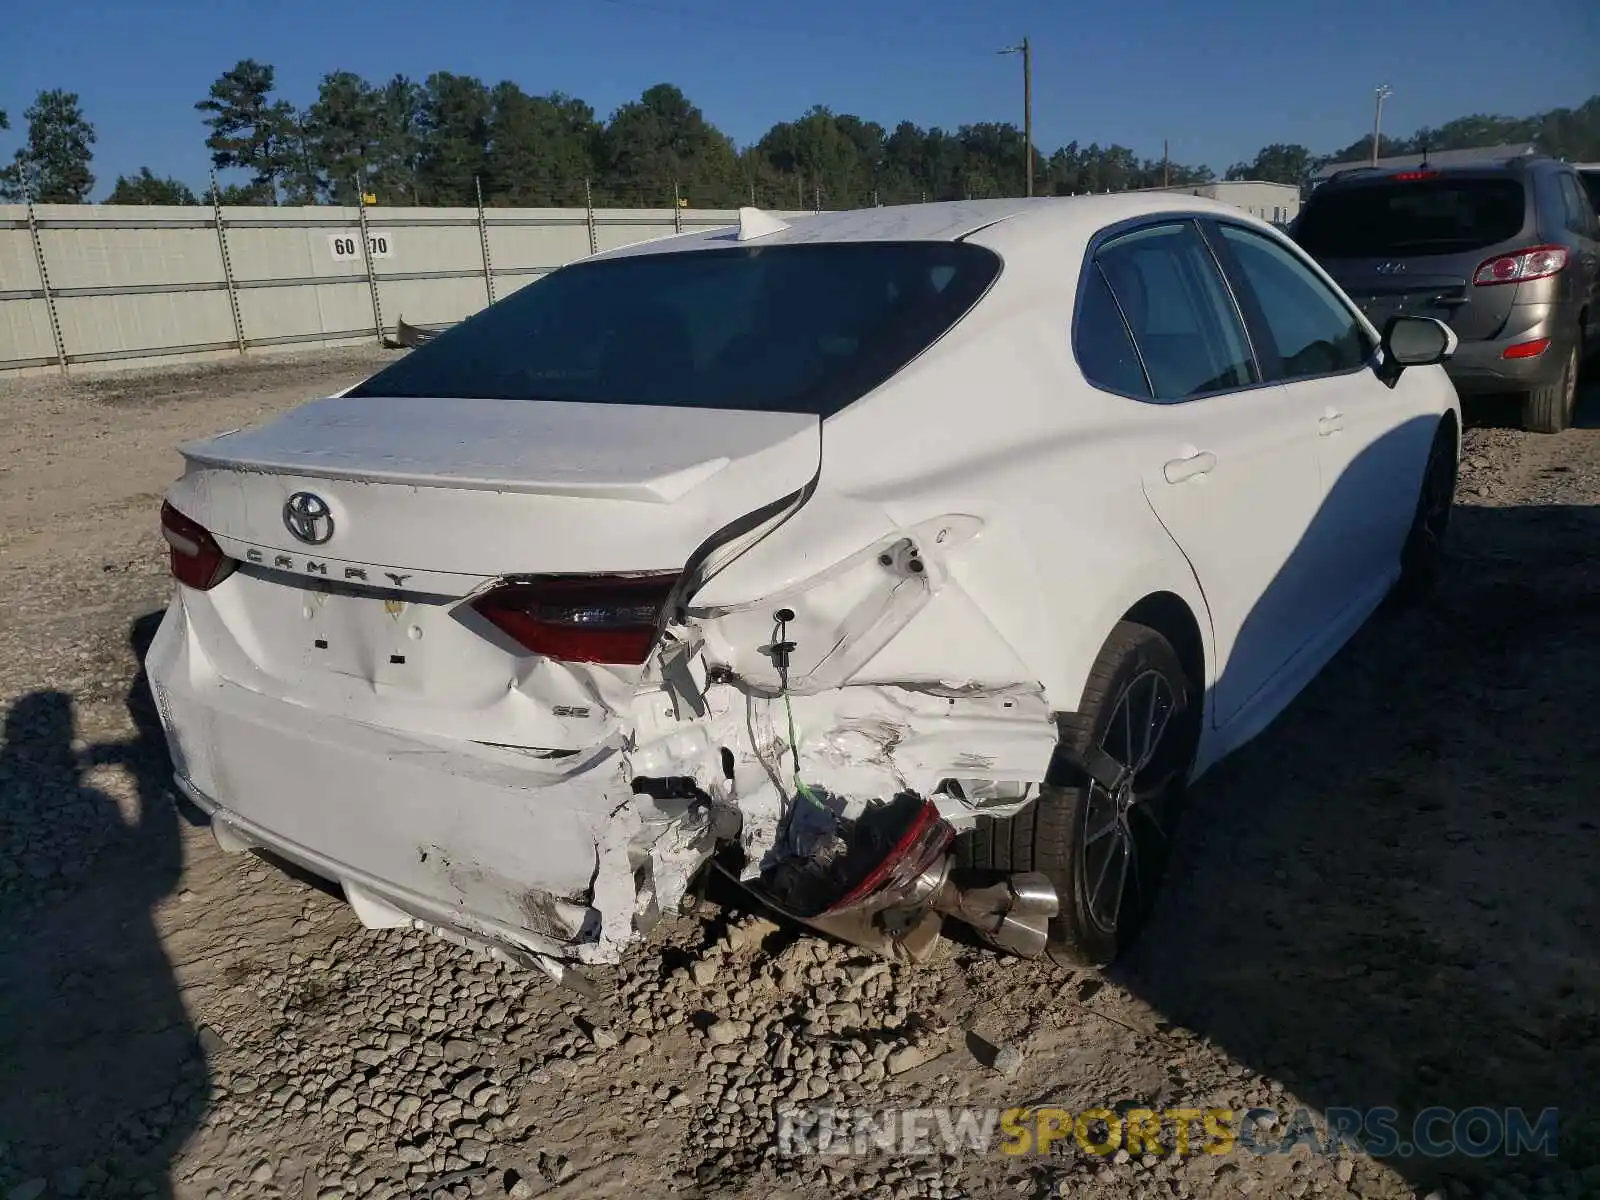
x=921, y=843
x=197, y=560
x=1541, y=262
x=582, y=618
x=1414, y=176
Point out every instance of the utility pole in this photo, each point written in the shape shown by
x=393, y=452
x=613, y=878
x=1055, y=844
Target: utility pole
x=1165, y=173
x=1023, y=48
x=1381, y=93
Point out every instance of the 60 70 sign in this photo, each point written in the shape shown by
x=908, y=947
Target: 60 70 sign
x=348, y=245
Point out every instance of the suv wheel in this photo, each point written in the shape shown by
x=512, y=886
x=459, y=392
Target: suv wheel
x=1423, y=553
x=1549, y=409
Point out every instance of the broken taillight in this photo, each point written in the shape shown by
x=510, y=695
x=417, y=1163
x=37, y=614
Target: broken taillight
x=921, y=844
x=582, y=618
x=197, y=560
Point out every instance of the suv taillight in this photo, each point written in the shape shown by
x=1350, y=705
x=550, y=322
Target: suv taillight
x=1540, y=262
x=197, y=560
x=582, y=618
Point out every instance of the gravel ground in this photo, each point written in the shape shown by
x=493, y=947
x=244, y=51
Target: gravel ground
x=1389, y=899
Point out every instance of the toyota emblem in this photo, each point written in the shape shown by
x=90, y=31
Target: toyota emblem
x=307, y=516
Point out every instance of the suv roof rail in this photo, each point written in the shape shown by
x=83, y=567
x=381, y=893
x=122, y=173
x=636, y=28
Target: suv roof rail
x=1429, y=158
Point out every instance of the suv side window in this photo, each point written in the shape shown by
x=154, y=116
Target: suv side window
x=1177, y=307
x=1313, y=331
x=1580, y=216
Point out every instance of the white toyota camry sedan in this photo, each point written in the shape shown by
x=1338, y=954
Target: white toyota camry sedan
x=904, y=564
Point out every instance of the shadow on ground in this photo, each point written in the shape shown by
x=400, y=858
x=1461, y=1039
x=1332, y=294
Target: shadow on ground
x=1392, y=898
x=101, y=1075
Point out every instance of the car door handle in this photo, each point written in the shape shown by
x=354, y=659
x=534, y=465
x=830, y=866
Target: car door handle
x=1180, y=469
x=1330, y=424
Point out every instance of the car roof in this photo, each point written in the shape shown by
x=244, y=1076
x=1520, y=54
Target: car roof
x=944, y=221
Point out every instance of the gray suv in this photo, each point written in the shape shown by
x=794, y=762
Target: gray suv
x=1507, y=253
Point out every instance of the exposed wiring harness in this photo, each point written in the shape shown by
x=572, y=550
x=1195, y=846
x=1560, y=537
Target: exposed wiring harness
x=780, y=650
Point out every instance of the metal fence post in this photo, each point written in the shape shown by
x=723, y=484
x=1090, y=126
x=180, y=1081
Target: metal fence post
x=366, y=254
x=588, y=208
x=44, y=279
x=677, y=210
x=227, y=263
x=483, y=240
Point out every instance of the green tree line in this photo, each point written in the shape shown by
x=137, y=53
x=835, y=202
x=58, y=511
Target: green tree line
x=448, y=138
x=440, y=141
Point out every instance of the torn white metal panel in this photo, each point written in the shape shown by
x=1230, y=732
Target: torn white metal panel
x=872, y=742
x=645, y=861
x=850, y=621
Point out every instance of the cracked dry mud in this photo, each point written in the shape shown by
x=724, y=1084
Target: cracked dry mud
x=1392, y=898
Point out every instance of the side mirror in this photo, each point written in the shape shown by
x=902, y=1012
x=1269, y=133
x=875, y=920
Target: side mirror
x=1414, y=342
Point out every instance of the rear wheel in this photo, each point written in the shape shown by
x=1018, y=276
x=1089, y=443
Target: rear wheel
x=1549, y=409
x=1423, y=553
x=1102, y=829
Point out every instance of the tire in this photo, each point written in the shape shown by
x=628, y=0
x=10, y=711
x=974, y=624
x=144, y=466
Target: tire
x=1422, y=556
x=1549, y=409
x=1072, y=833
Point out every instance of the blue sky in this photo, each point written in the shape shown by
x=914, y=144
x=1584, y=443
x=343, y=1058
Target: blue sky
x=1218, y=79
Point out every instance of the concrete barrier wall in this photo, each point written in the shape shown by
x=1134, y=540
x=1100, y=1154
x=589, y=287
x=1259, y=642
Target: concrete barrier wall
x=126, y=286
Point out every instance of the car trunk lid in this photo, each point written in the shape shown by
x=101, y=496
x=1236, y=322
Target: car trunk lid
x=488, y=486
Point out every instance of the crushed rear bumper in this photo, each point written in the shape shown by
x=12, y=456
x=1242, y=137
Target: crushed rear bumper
x=545, y=859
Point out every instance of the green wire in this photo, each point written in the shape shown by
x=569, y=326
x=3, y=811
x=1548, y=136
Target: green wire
x=794, y=751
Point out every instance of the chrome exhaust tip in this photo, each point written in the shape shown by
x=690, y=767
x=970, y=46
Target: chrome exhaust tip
x=1012, y=915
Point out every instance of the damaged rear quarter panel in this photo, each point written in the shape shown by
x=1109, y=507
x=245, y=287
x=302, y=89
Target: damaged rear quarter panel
x=1068, y=542
x=1034, y=537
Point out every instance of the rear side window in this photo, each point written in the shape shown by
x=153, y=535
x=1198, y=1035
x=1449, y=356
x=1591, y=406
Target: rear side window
x=1313, y=331
x=1184, y=323
x=1591, y=182
x=798, y=328
x=1580, y=213
x=1101, y=341
x=1412, y=217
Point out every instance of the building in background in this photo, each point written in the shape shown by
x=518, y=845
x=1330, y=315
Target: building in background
x=1275, y=202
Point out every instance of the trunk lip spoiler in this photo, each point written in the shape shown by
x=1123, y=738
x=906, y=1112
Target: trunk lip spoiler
x=663, y=489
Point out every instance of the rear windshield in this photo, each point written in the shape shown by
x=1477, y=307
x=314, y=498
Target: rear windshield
x=1421, y=217
x=798, y=328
